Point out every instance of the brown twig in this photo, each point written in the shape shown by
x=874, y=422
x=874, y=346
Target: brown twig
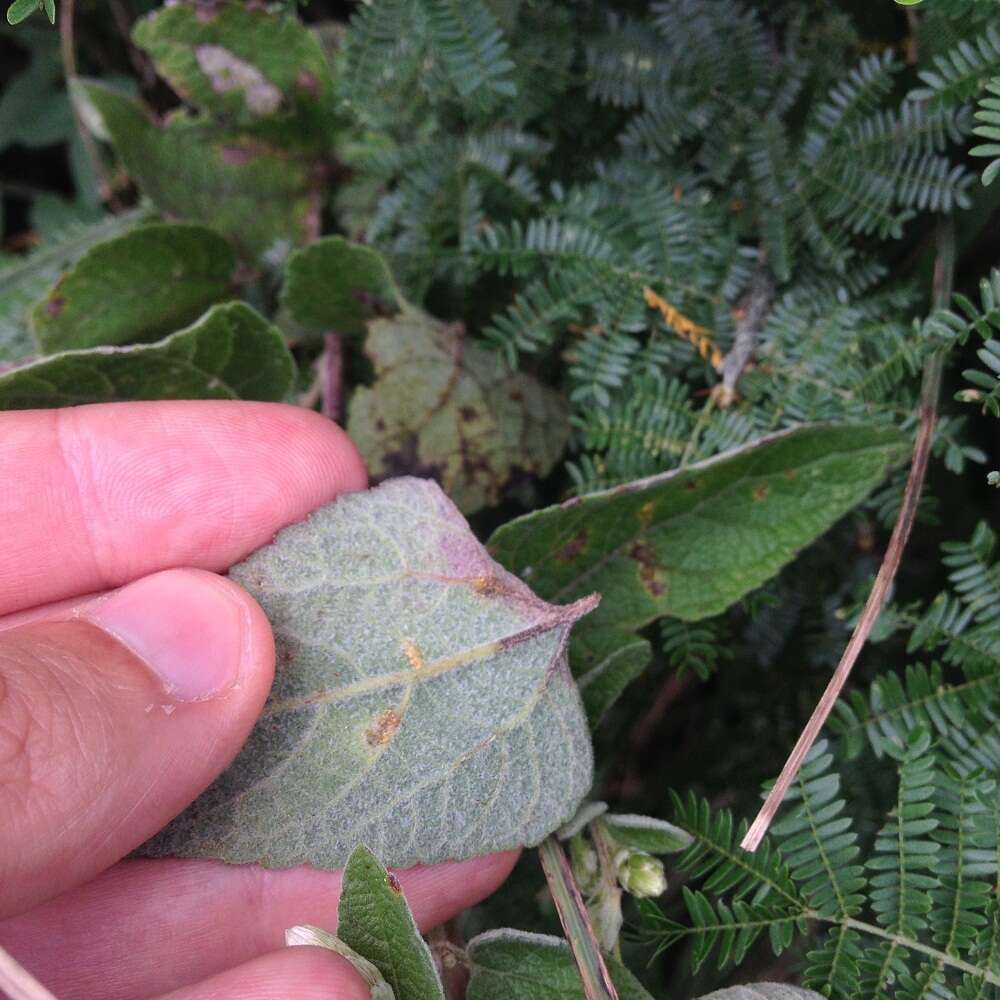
x=19, y=984
x=67, y=49
x=140, y=63
x=331, y=374
x=753, y=311
x=575, y=920
x=943, y=272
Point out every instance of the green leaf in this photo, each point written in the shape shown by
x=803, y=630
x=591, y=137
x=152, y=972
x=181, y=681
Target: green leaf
x=645, y=833
x=138, y=286
x=338, y=286
x=615, y=659
x=690, y=542
x=375, y=920
x=232, y=352
x=21, y=9
x=423, y=704
x=257, y=196
x=24, y=281
x=257, y=70
x=514, y=965
x=443, y=407
x=763, y=991
x=50, y=10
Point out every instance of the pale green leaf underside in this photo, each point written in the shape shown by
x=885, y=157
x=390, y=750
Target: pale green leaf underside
x=232, y=352
x=691, y=542
x=763, y=991
x=422, y=703
x=375, y=920
x=143, y=284
x=515, y=965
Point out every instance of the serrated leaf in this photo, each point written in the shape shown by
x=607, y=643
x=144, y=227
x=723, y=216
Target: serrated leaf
x=138, y=286
x=337, y=285
x=646, y=833
x=514, y=965
x=255, y=195
x=375, y=920
x=691, y=542
x=24, y=281
x=255, y=69
x=422, y=704
x=232, y=352
x=443, y=407
x=763, y=991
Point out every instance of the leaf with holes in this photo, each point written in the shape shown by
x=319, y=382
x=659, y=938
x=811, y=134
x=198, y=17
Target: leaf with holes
x=443, y=407
x=689, y=543
x=148, y=282
x=232, y=352
x=422, y=703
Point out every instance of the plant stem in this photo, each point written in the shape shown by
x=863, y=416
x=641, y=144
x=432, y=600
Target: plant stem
x=331, y=374
x=943, y=272
x=575, y=920
x=67, y=49
x=18, y=983
x=609, y=894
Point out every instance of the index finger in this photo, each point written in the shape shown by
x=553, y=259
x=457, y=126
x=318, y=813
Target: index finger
x=92, y=497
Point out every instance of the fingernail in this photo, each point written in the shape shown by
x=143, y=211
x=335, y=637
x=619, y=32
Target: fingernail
x=186, y=625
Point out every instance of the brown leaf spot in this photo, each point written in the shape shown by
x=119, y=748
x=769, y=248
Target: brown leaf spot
x=235, y=156
x=648, y=571
x=760, y=491
x=646, y=514
x=413, y=654
x=55, y=306
x=383, y=728
x=394, y=883
x=307, y=81
x=489, y=586
x=692, y=484
x=467, y=413
x=572, y=548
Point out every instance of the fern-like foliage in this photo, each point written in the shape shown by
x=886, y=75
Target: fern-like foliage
x=989, y=115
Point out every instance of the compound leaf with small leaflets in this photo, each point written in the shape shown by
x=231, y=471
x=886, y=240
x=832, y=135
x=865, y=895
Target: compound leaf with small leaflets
x=443, y=407
x=422, y=704
x=232, y=352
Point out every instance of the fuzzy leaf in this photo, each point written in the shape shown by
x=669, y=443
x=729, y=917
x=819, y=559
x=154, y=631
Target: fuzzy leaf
x=422, y=704
x=690, y=542
x=24, y=281
x=445, y=408
x=646, y=833
x=763, y=991
x=232, y=352
x=374, y=920
x=148, y=282
x=260, y=71
x=337, y=285
x=515, y=965
x=255, y=195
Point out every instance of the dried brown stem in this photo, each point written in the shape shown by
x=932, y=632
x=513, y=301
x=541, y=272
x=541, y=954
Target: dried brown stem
x=19, y=984
x=943, y=269
x=753, y=311
x=575, y=920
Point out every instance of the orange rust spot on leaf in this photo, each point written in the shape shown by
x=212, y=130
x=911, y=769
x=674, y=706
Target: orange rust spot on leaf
x=648, y=570
x=393, y=883
x=383, y=728
x=489, y=586
x=413, y=654
x=572, y=548
x=761, y=491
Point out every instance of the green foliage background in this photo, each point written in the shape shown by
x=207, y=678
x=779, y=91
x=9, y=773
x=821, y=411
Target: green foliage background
x=523, y=171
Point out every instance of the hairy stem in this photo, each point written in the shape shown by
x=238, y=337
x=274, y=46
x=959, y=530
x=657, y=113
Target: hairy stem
x=575, y=920
x=943, y=272
x=19, y=984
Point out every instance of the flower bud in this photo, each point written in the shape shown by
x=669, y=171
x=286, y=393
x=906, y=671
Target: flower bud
x=642, y=875
x=583, y=859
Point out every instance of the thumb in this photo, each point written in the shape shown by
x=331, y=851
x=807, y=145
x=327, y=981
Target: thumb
x=114, y=716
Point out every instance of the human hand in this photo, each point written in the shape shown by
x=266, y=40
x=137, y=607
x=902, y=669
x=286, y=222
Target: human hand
x=117, y=709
